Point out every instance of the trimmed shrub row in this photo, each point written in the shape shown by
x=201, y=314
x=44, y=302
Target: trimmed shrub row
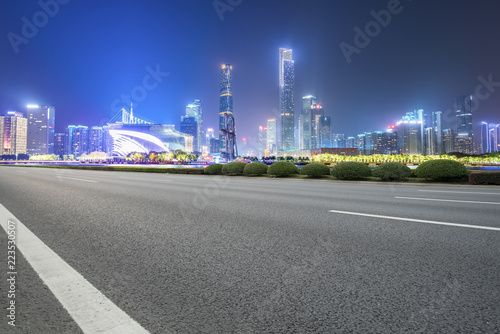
x=282, y=168
x=392, y=171
x=255, y=168
x=351, y=170
x=442, y=170
x=484, y=177
x=315, y=169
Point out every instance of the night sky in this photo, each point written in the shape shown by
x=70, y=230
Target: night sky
x=91, y=52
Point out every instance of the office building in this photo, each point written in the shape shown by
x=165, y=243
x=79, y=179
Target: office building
x=272, y=136
x=437, y=121
x=226, y=107
x=287, y=96
x=96, y=139
x=326, y=132
x=317, y=116
x=262, y=142
x=409, y=130
x=390, y=141
x=464, y=136
x=194, y=110
x=13, y=133
x=448, y=141
x=338, y=140
x=305, y=121
x=60, y=144
x=208, y=136
x=350, y=142
x=77, y=140
x=41, y=121
x=189, y=126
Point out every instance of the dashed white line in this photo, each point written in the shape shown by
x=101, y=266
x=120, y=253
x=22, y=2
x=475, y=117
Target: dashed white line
x=458, y=192
x=73, y=178
x=445, y=200
x=418, y=220
x=92, y=311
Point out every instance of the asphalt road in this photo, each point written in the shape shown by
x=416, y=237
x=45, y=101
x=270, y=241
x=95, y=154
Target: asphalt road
x=214, y=254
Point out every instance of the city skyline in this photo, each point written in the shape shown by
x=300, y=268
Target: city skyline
x=385, y=79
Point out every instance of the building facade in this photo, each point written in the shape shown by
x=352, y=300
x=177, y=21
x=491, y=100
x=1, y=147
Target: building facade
x=41, y=121
x=287, y=98
x=225, y=102
x=464, y=137
x=13, y=133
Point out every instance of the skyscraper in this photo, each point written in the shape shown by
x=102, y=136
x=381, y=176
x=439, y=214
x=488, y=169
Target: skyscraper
x=96, y=140
x=485, y=138
x=409, y=130
x=317, y=115
x=338, y=140
x=194, y=110
x=77, y=140
x=271, y=137
x=437, y=120
x=287, y=95
x=13, y=133
x=226, y=119
x=305, y=122
x=326, y=132
x=60, y=144
x=464, y=138
x=262, y=141
x=41, y=120
x=448, y=141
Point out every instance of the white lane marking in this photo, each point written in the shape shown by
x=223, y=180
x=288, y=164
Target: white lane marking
x=446, y=200
x=418, y=220
x=458, y=192
x=73, y=178
x=91, y=310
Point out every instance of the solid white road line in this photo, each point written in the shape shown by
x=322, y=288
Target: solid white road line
x=458, y=192
x=72, y=178
x=417, y=220
x=91, y=310
x=445, y=200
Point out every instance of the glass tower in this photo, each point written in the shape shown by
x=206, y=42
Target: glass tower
x=287, y=104
x=41, y=121
x=226, y=101
x=464, y=125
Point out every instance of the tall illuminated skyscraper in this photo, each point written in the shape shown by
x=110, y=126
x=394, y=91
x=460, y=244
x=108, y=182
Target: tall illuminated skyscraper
x=287, y=103
x=77, y=140
x=194, y=110
x=13, y=132
x=226, y=102
x=437, y=120
x=305, y=122
x=41, y=120
x=464, y=138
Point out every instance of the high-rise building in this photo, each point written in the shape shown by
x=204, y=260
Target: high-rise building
x=96, y=139
x=376, y=142
x=77, y=140
x=189, y=126
x=448, y=141
x=360, y=143
x=305, y=122
x=430, y=141
x=41, y=121
x=13, y=133
x=494, y=131
x=317, y=116
x=214, y=145
x=209, y=135
x=194, y=110
x=409, y=130
x=350, y=142
x=60, y=144
x=390, y=141
x=226, y=109
x=437, y=124
x=287, y=99
x=489, y=137
x=338, y=140
x=262, y=141
x=271, y=137
x=326, y=132
x=464, y=136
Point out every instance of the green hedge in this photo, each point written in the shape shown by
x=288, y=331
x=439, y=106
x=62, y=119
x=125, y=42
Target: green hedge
x=255, y=168
x=351, y=170
x=282, y=168
x=484, y=177
x=442, y=170
x=214, y=169
x=392, y=171
x=234, y=168
x=315, y=169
